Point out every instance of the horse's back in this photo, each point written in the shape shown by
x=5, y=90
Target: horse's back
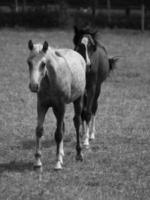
x=73, y=58
x=76, y=65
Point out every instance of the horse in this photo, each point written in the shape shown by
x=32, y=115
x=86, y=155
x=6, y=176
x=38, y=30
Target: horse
x=98, y=68
x=57, y=76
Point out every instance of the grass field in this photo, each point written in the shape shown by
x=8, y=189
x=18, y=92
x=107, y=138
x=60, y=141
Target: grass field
x=117, y=166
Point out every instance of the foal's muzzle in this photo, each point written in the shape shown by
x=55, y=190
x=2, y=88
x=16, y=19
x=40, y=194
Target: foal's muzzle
x=34, y=88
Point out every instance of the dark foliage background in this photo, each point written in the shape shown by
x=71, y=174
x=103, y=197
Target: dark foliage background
x=55, y=13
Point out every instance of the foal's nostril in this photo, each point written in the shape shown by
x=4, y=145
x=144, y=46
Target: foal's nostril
x=33, y=87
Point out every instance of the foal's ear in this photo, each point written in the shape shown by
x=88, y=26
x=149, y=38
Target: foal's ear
x=30, y=45
x=45, y=46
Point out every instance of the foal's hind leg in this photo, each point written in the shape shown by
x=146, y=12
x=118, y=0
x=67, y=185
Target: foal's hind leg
x=41, y=112
x=77, y=122
x=59, y=113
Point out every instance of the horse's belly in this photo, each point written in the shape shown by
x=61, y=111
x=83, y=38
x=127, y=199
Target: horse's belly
x=78, y=84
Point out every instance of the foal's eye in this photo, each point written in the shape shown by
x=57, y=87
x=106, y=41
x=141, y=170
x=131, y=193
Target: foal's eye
x=42, y=66
x=30, y=64
x=81, y=48
x=89, y=44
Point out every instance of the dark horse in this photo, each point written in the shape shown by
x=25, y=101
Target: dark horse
x=98, y=68
x=58, y=78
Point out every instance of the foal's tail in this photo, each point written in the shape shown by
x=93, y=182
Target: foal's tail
x=112, y=62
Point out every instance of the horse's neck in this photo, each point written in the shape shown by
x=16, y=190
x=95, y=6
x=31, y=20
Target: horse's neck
x=101, y=46
x=52, y=59
x=53, y=64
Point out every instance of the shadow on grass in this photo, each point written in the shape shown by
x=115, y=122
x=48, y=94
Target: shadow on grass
x=16, y=166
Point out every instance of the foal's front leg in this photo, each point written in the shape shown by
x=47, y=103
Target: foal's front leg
x=41, y=112
x=59, y=113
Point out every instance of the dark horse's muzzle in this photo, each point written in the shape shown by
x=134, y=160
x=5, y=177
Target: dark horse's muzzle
x=34, y=87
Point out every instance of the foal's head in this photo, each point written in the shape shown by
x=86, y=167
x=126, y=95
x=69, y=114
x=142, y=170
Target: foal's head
x=37, y=64
x=85, y=43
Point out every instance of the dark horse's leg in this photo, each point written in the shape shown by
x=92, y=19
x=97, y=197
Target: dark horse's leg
x=77, y=122
x=87, y=111
x=94, y=109
x=59, y=114
x=41, y=112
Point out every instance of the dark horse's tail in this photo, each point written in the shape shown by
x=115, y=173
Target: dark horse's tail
x=112, y=62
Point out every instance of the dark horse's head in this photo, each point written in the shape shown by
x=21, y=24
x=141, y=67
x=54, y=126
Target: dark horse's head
x=85, y=43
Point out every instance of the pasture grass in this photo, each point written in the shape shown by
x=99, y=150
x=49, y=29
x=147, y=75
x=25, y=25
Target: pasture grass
x=117, y=166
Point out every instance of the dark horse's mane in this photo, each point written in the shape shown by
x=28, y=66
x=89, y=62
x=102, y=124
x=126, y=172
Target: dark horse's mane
x=93, y=33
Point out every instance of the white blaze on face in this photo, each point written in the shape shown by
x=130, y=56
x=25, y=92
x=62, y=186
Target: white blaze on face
x=36, y=74
x=38, y=48
x=84, y=41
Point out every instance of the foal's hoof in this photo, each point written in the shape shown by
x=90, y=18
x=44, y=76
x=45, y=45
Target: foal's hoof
x=86, y=145
x=58, y=166
x=79, y=157
x=38, y=164
x=92, y=137
x=38, y=169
